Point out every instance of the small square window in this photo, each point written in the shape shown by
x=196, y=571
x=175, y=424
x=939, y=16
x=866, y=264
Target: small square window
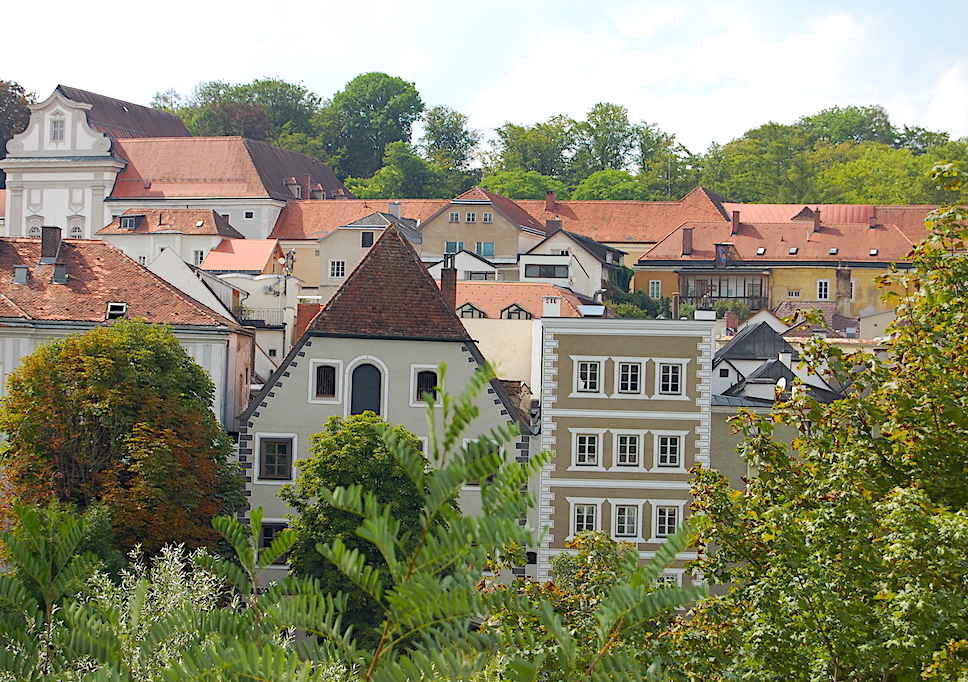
x=249, y=215
x=833, y=251
x=793, y=250
x=454, y=217
x=670, y=379
x=142, y=260
x=724, y=372
x=470, y=218
x=761, y=251
x=273, y=352
x=487, y=218
x=873, y=252
x=276, y=459
x=116, y=311
x=366, y=239
x=337, y=269
x=793, y=293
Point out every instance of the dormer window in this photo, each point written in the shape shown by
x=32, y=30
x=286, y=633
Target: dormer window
x=57, y=130
x=129, y=222
x=34, y=231
x=116, y=311
x=833, y=251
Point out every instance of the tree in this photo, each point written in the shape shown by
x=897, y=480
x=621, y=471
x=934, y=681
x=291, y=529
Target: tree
x=406, y=175
x=603, y=141
x=666, y=168
x=845, y=552
x=876, y=174
x=851, y=124
x=14, y=115
x=610, y=185
x=447, y=141
x=519, y=184
x=121, y=415
x=543, y=147
x=372, y=111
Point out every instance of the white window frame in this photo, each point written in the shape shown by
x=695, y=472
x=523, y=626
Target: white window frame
x=128, y=222
x=334, y=265
x=573, y=502
x=618, y=362
x=478, y=248
x=197, y=257
x=657, y=437
x=459, y=246
x=655, y=288
x=793, y=293
x=638, y=505
x=824, y=286
x=655, y=505
x=454, y=217
x=338, y=380
x=576, y=390
x=599, y=435
x=683, y=378
x=487, y=218
x=142, y=260
x=58, y=128
x=257, y=457
x=617, y=435
x=414, y=371
x=853, y=290
x=470, y=217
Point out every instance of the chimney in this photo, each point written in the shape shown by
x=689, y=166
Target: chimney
x=448, y=282
x=50, y=241
x=872, y=220
x=786, y=358
x=552, y=226
x=60, y=273
x=687, y=241
x=307, y=187
x=394, y=209
x=735, y=230
x=816, y=220
x=675, y=305
x=550, y=201
x=732, y=321
x=552, y=306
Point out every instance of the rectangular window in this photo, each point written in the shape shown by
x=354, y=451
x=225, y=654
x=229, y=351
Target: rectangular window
x=588, y=376
x=485, y=249
x=325, y=381
x=823, y=289
x=426, y=383
x=198, y=257
x=129, y=222
x=249, y=215
x=470, y=218
x=454, y=217
x=57, y=130
x=482, y=276
x=626, y=521
x=670, y=379
x=627, y=450
x=586, y=450
x=655, y=288
x=853, y=290
x=793, y=293
x=666, y=521
x=276, y=459
x=337, y=269
x=585, y=517
x=546, y=271
x=453, y=247
x=142, y=260
x=669, y=451
x=366, y=239
x=629, y=377
x=487, y=218
x=270, y=531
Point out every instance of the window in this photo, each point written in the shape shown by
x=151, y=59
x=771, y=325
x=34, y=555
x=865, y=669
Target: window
x=273, y=352
x=198, y=257
x=454, y=217
x=628, y=449
x=367, y=392
x=325, y=381
x=270, y=531
x=426, y=382
x=275, y=459
x=793, y=250
x=249, y=215
x=515, y=312
x=561, y=252
x=586, y=450
x=793, y=293
x=589, y=372
x=129, y=222
x=668, y=451
x=337, y=269
x=761, y=251
x=487, y=218
x=481, y=276
x=853, y=290
x=666, y=521
x=586, y=516
x=225, y=215
x=142, y=260
x=823, y=289
x=724, y=372
x=116, y=311
x=546, y=271
x=453, y=247
x=34, y=231
x=366, y=239
x=485, y=249
x=76, y=232
x=670, y=379
x=57, y=130
x=655, y=288
x=470, y=218
x=629, y=377
x=470, y=310
x=626, y=520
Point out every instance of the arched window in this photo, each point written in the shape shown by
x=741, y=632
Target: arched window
x=367, y=389
x=34, y=231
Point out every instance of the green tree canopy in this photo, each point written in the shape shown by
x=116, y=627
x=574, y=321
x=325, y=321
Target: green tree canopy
x=519, y=184
x=406, y=175
x=14, y=115
x=610, y=184
x=851, y=124
x=603, y=141
x=543, y=147
x=121, y=415
x=447, y=141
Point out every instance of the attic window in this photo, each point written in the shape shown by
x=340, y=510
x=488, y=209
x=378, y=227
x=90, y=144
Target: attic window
x=760, y=251
x=116, y=311
x=199, y=223
x=249, y=215
x=793, y=250
x=515, y=312
x=57, y=130
x=470, y=310
x=873, y=252
x=129, y=222
x=20, y=274
x=833, y=251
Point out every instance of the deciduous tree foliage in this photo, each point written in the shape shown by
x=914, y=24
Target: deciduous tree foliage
x=14, y=115
x=121, y=415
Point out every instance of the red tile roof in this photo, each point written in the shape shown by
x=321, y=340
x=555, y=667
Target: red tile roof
x=493, y=297
x=120, y=120
x=176, y=167
x=511, y=210
x=98, y=274
x=390, y=295
x=313, y=219
x=174, y=220
x=242, y=255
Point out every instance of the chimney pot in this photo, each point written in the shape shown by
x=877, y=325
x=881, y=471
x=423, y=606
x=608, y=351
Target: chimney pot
x=448, y=281
x=394, y=209
x=735, y=229
x=816, y=220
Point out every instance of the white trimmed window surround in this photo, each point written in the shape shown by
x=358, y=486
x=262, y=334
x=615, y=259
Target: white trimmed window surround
x=628, y=450
x=627, y=519
x=589, y=377
x=270, y=453
x=667, y=517
x=671, y=379
x=587, y=449
x=584, y=513
x=629, y=380
x=420, y=381
x=669, y=451
x=325, y=385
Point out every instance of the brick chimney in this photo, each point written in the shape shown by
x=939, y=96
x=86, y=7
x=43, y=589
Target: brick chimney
x=50, y=241
x=448, y=281
x=816, y=220
x=732, y=321
x=550, y=201
x=307, y=187
x=872, y=221
x=552, y=226
x=687, y=241
x=735, y=230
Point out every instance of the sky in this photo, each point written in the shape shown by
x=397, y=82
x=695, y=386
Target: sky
x=704, y=71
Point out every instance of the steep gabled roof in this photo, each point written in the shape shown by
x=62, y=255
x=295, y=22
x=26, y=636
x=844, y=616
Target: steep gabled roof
x=241, y=255
x=597, y=250
x=493, y=297
x=500, y=203
x=118, y=119
x=755, y=342
x=313, y=219
x=380, y=220
x=97, y=274
x=390, y=295
x=195, y=221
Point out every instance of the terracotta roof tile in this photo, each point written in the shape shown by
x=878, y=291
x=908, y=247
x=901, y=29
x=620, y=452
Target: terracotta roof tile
x=98, y=274
x=508, y=207
x=493, y=297
x=241, y=255
x=174, y=220
x=118, y=119
x=313, y=219
x=390, y=295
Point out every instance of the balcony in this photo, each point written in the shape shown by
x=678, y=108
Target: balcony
x=754, y=303
x=260, y=317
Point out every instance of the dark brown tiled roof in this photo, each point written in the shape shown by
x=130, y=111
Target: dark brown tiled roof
x=390, y=295
x=98, y=274
x=119, y=120
x=174, y=220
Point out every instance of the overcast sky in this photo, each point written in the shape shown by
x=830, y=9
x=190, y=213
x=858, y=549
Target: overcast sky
x=705, y=71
